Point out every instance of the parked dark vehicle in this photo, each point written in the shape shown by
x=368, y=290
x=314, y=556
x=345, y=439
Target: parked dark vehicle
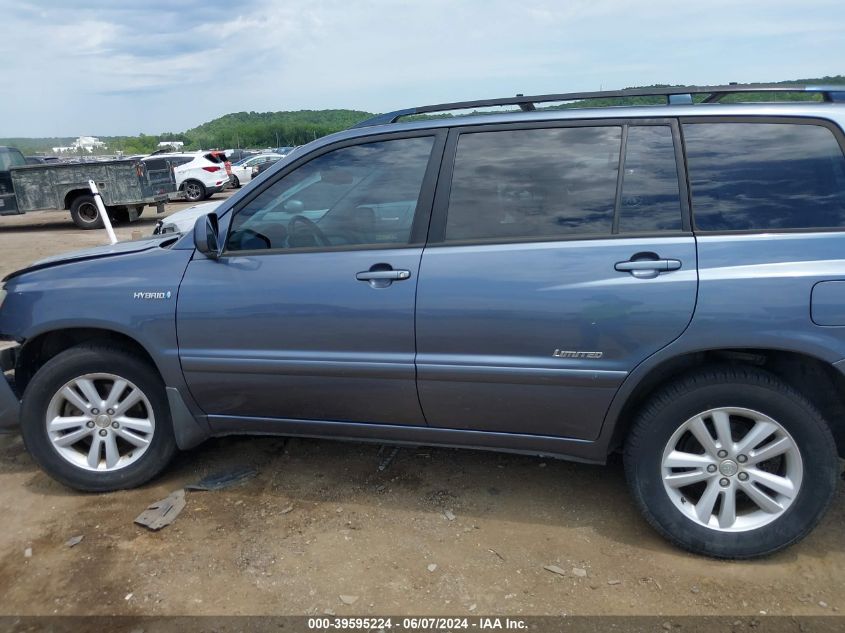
x=126, y=187
x=9, y=157
x=662, y=281
x=265, y=165
x=41, y=160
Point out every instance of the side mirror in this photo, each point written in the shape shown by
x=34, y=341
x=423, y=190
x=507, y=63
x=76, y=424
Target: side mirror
x=206, y=236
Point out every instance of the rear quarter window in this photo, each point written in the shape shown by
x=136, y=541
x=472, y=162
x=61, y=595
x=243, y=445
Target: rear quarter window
x=765, y=176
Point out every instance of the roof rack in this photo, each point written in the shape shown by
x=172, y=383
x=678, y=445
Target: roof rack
x=676, y=95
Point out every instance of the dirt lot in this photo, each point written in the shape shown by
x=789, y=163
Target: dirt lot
x=437, y=532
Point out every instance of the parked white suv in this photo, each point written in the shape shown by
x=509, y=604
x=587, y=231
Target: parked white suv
x=242, y=170
x=199, y=175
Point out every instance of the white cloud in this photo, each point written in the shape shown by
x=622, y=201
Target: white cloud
x=105, y=68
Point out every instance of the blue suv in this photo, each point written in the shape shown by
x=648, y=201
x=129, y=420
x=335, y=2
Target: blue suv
x=667, y=281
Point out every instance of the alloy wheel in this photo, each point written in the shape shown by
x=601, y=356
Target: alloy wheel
x=732, y=469
x=100, y=422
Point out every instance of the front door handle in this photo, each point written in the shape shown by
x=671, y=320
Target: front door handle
x=382, y=275
x=648, y=268
x=392, y=275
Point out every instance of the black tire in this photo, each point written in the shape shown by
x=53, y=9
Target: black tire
x=236, y=184
x=85, y=214
x=76, y=362
x=194, y=190
x=742, y=387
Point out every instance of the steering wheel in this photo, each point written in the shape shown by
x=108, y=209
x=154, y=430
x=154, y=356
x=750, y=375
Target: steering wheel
x=312, y=227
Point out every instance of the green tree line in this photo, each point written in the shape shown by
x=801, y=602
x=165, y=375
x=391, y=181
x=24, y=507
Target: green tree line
x=277, y=129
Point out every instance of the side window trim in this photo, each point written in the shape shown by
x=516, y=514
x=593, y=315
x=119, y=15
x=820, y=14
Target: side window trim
x=422, y=214
x=683, y=175
x=620, y=179
x=437, y=227
x=838, y=134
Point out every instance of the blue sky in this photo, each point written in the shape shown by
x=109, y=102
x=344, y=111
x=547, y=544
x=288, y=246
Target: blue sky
x=101, y=67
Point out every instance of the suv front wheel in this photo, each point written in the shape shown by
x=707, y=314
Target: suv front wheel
x=732, y=463
x=97, y=419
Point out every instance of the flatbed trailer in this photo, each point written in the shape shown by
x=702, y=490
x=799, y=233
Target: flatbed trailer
x=126, y=186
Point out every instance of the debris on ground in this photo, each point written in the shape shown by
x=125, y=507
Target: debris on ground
x=27, y=553
x=579, y=571
x=649, y=579
x=386, y=461
x=224, y=479
x=449, y=515
x=128, y=597
x=345, y=599
x=287, y=509
x=74, y=540
x=432, y=567
x=498, y=555
x=555, y=570
x=162, y=513
x=614, y=582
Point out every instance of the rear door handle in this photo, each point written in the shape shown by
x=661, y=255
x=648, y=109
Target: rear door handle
x=648, y=268
x=381, y=275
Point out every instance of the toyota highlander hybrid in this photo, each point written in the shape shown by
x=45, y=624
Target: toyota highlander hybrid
x=664, y=281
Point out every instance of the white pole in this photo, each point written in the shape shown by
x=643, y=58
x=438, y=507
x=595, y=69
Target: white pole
x=103, y=213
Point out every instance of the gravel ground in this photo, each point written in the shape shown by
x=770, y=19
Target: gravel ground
x=437, y=532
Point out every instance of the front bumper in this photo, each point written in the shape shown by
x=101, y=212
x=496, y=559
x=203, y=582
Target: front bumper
x=10, y=405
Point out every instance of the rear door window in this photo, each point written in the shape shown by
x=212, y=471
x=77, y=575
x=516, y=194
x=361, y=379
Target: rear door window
x=765, y=176
x=535, y=183
x=559, y=182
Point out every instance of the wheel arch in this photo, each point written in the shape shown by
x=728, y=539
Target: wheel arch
x=39, y=349
x=817, y=379
x=73, y=194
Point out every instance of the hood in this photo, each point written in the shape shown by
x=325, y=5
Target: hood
x=107, y=250
x=183, y=221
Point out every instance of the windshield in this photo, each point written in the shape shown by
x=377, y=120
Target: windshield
x=10, y=157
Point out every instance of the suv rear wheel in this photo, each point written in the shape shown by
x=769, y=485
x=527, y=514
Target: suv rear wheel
x=194, y=191
x=731, y=463
x=97, y=419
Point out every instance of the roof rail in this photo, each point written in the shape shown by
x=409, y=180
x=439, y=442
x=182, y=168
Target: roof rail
x=675, y=95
